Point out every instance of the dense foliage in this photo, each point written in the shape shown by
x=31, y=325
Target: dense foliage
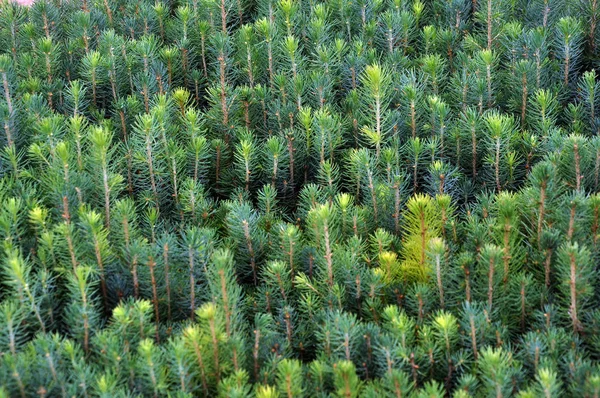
x=285, y=198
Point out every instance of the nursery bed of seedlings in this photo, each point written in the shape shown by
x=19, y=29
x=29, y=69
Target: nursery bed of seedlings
x=286, y=198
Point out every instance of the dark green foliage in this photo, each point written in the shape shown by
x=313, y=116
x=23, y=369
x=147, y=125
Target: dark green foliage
x=289, y=198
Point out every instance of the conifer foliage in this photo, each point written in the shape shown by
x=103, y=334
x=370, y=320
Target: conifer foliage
x=288, y=198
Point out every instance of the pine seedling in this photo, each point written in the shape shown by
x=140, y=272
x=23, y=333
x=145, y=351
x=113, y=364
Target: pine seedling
x=390, y=30
x=132, y=320
x=269, y=346
x=569, y=40
x=107, y=385
x=150, y=223
x=319, y=375
x=574, y=161
x=309, y=198
x=124, y=228
x=278, y=281
x=329, y=178
x=181, y=371
x=247, y=54
x=175, y=155
x=592, y=384
x=14, y=331
x=47, y=366
x=271, y=213
x=289, y=238
x=449, y=41
x=345, y=380
x=542, y=195
x=501, y=132
x=210, y=323
x=242, y=222
x=98, y=247
x=580, y=369
x=81, y=374
x=381, y=241
x=170, y=57
x=101, y=156
x=434, y=69
x=184, y=17
x=6, y=75
x=376, y=96
x=549, y=242
x=290, y=377
x=246, y=159
x=543, y=112
x=199, y=153
x=399, y=183
x=135, y=255
x=524, y=294
x=340, y=335
x=235, y=385
x=421, y=224
x=50, y=53
x=448, y=221
x=487, y=60
x=221, y=95
x=196, y=343
x=323, y=221
x=575, y=271
x=352, y=217
x=446, y=328
x=92, y=69
x=268, y=31
x=533, y=351
x=442, y=179
x=204, y=30
x=146, y=155
x=293, y=56
x=364, y=168
x=266, y=391
x=490, y=15
x=327, y=134
x=225, y=290
x=275, y=161
x=12, y=222
x=436, y=250
x=15, y=16
x=431, y=389
x=415, y=153
x=428, y=36
x=82, y=310
x=498, y=371
x=574, y=224
x=108, y=44
x=524, y=79
x=589, y=88
x=547, y=384
x=17, y=374
x=491, y=276
x=397, y=383
x=507, y=234
x=198, y=250
x=327, y=56
x=152, y=367
x=474, y=320
x=438, y=122
x=18, y=275
x=76, y=101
